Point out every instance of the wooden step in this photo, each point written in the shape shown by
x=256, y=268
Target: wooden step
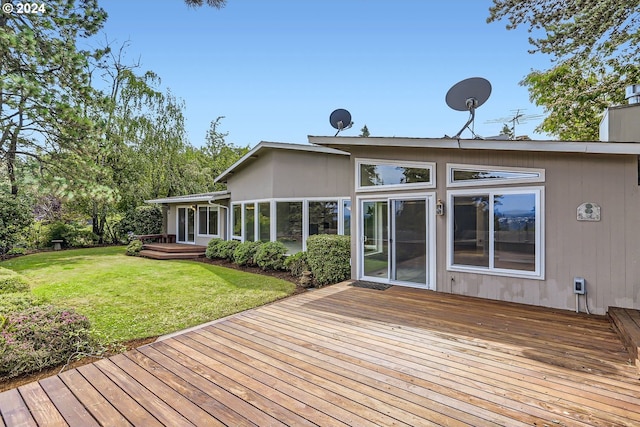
x=174, y=248
x=147, y=253
x=626, y=322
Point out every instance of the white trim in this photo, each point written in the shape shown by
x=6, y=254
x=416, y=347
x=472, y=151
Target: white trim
x=431, y=166
x=193, y=198
x=356, y=234
x=539, y=272
x=344, y=142
x=492, y=181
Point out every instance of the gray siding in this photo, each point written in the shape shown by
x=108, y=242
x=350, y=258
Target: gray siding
x=282, y=173
x=605, y=253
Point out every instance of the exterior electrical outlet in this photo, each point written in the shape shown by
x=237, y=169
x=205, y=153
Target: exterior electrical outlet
x=579, y=285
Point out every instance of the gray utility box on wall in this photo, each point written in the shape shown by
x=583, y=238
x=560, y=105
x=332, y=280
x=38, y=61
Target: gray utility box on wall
x=579, y=286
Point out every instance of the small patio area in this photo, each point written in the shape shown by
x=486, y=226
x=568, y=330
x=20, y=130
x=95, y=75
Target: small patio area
x=351, y=356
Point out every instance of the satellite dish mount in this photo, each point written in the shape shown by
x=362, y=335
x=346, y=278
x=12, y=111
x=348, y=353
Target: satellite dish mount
x=468, y=95
x=340, y=119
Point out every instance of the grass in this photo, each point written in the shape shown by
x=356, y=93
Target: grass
x=127, y=298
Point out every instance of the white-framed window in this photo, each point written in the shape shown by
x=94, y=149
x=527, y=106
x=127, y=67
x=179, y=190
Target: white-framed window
x=461, y=175
x=236, y=221
x=377, y=175
x=208, y=221
x=497, y=231
x=290, y=221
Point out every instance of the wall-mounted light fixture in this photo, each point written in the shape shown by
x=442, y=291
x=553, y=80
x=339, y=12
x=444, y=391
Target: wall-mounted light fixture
x=439, y=207
x=194, y=207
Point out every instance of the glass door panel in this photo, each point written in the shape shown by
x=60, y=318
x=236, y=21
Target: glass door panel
x=376, y=239
x=409, y=254
x=186, y=225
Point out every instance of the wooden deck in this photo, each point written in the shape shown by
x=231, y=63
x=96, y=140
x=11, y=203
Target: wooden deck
x=164, y=251
x=351, y=356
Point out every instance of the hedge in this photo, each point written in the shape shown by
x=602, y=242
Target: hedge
x=329, y=256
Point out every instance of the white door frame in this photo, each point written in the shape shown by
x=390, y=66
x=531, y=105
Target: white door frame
x=186, y=232
x=429, y=199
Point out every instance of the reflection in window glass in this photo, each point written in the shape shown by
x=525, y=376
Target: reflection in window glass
x=237, y=220
x=264, y=221
x=461, y=175
x=388, y=174
x=207, y=220
x=346, y=214
x=289, y=225
x=323, y=218
x=213, y=221
x=471, y=230
x=249, y=222
x=515, y=231
x=497, y=230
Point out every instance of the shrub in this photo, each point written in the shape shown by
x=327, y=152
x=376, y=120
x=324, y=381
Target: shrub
x=73, y=234
x=227, y=249
x=297, y=263
x=134, y=247
x=144, y=219
x=39, y=337
x=10, y=303
x=17, y=251
x=213, y=249
x=271, y=255
x=245, y=253
x=15, y=217
x=11, y=284
x=328, y=256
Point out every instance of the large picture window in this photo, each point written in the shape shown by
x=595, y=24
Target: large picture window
x=289, y=225
x=264, y=221
x=375, y=175
x=323, y=217
x=208, y=221
x=497, y=231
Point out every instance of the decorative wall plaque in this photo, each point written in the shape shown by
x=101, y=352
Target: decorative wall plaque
x=589, y=211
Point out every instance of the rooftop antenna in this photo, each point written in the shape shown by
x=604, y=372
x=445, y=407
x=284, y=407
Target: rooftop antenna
x=340, y=119
x=468, y=95
x=517, y=117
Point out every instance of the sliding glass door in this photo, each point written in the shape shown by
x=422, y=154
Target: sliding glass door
x=186, y=225
x=394, y=242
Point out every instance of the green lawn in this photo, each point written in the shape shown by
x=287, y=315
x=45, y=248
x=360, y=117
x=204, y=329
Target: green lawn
x=129, y=297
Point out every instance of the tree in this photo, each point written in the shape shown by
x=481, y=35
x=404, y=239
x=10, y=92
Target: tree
x=218, y=4
x=44, y=84
x=508, y=131
x=364, y=132
x=220, y=155
x=15, y=216
x=594, y=45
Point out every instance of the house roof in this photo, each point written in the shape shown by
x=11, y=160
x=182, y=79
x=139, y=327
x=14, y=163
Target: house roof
x=191, y=198
x=345, y=142
x=264, y=145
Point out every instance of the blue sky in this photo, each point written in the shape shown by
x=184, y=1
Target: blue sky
x=276, y=69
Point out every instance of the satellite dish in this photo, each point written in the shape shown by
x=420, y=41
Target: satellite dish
x=340, y=119
x=468, y=95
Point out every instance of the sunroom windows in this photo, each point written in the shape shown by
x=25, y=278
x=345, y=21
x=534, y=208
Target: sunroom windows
x=290, y=221
x=496, y=230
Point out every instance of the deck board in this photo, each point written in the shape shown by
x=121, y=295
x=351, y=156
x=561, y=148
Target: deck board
x=352, y=356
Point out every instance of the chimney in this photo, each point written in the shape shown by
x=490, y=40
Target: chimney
x=622, y=123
